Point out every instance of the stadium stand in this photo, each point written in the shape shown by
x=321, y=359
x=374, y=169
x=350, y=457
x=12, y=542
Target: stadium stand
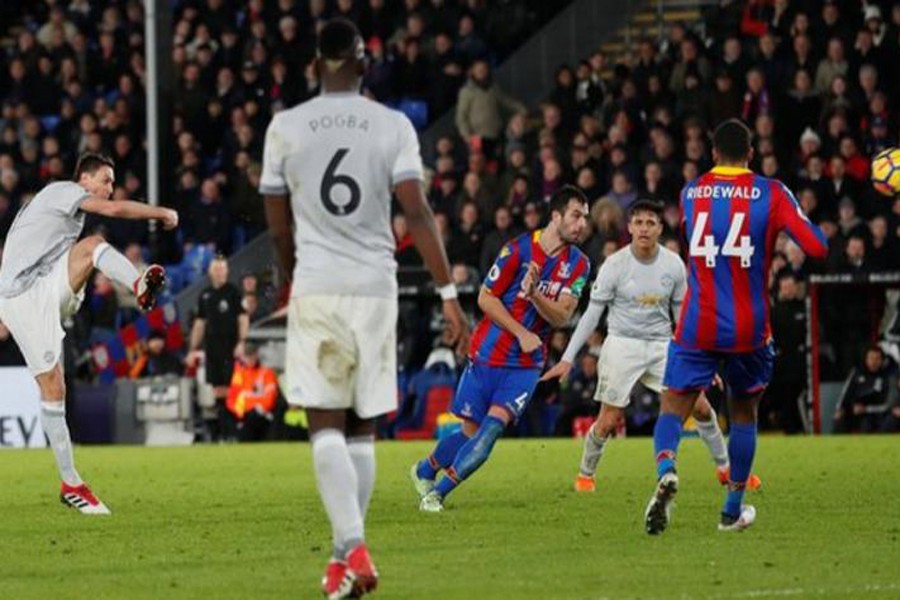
x=813, y=79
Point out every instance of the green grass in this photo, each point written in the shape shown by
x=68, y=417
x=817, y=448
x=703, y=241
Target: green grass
x=245, y=522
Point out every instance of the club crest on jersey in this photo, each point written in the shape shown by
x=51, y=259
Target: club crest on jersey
x=565, y=269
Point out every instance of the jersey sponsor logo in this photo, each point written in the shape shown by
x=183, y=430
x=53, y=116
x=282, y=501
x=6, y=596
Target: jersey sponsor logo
x=549, y=288
x=724, y=192
x=649, y=299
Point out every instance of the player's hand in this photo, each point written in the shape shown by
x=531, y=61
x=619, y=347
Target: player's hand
x=529, y=342
x=859, y=408
x=457, y=326
x=169, y=219
x=717, y=382
x=193, y=358
x=560, y=370
x=530, y=280
x=239, y=351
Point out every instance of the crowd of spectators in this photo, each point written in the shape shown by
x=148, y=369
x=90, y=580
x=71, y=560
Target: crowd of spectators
x=73, y=74
x=812, y=78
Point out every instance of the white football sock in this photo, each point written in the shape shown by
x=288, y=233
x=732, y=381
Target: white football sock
x=593, y=450
x=362, y=453
x=114, y=265
x=338, y=487
x=53, y=420
x=712, y=436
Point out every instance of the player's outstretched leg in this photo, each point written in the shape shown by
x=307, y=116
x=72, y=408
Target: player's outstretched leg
x=74, y=493
x=94, y=253
x=594, y=442
x=423, y=472
x=470, y=457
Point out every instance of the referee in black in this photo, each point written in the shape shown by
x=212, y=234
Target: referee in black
x=220, y=329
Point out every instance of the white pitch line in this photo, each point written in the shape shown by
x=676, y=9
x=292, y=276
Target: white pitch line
x=868, y=588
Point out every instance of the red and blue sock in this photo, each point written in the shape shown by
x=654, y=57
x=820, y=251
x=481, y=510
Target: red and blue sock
x=442, y=456
x=666, y=437
x=741, y=450
x=472, y=455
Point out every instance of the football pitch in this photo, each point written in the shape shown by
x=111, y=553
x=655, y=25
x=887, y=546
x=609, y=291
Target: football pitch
x=245, y=522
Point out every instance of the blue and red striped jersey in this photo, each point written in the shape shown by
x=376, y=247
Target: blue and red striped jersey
x=565, y=273
x=731, y=219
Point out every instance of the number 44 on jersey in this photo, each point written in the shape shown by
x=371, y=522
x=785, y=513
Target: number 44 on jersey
x=737, y=245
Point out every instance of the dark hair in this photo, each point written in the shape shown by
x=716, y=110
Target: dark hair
x=89, y=162
x=340, y=40
x=732, y=141
x=561, y=198
x=646, y=205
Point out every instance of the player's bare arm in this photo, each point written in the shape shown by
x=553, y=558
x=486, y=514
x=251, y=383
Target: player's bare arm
x=420, y=221
x=198, y=330
x=243, y=330
x=588, y=323
x=556, y=312
x=279, y=217
x=493, y=308
x=130, y=209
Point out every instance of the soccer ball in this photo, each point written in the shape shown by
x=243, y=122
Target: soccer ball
x=886, y=172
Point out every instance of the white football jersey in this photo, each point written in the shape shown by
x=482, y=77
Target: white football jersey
x=338, y=156
x=642, y=296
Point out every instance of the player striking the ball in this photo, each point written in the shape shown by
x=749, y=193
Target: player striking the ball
x=534, y=285
x=329, y=167
x=643, y=287
x=731, y=219
x=42, y=281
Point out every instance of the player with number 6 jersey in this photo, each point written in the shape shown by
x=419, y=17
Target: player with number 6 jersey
x=330, y=166
x=731, y=218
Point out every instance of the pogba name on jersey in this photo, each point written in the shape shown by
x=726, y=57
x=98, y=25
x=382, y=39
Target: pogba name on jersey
x=724, y=192
x=338, y=121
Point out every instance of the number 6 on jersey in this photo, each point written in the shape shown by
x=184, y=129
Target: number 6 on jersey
x=704, y=245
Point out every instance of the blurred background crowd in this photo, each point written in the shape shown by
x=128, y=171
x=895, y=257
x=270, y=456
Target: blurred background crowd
x=816, y=80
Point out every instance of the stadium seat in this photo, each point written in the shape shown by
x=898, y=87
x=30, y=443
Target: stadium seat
x=196, y=262
x=432, y=394
x=176, y=278
x=416, y=111
x=49, y=122
x=581, y=425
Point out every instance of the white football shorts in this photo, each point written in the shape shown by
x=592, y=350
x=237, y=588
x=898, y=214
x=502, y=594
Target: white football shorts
x=35, y=316
x=625, y=361
x=342, y=353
